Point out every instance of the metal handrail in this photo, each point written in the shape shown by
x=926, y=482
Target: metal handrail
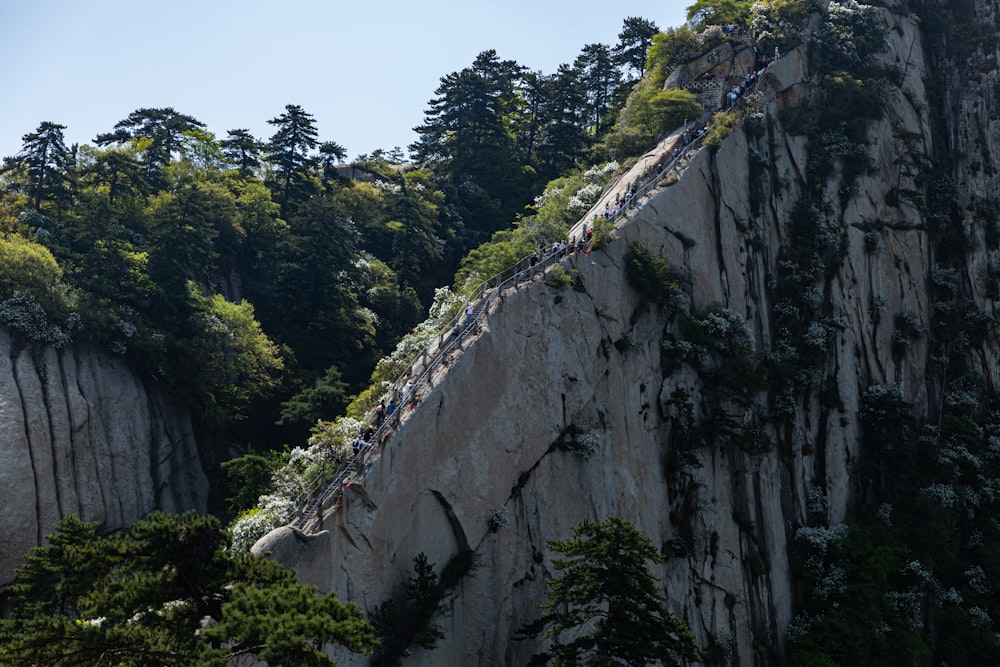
x=448, y=340
x=482, y=297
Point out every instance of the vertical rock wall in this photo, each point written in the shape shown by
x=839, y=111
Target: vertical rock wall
x=81, y=434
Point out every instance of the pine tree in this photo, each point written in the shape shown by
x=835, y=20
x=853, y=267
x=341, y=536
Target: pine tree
x=160, y=131
x=242, y=150
x=142, y=597
x=633, y=43
x=599, y=78
x=330, y=155
x=44, y=164
x=289, y=150
x=469, y=134
x=562, y=123
x=413, y=219
x=605, y=607
x=409, y=619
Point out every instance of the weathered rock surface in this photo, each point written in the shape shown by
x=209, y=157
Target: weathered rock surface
x=80, y=433
x=482, y=440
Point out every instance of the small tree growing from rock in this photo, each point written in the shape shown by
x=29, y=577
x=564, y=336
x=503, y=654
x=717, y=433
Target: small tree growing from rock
x=605, y=607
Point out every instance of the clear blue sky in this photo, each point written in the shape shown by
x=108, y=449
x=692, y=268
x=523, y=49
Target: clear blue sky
x=365, y=69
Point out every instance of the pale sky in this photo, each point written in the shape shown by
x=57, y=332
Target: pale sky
x=365, y=70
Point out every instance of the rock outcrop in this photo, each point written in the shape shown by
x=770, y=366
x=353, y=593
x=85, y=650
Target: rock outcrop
x=80, y=433
x=603, y=361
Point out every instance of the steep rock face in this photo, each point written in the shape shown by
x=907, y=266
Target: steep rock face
x=725, y=510
x=81, y=434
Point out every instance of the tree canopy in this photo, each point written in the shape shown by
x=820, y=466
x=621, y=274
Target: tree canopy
x=605, y=607
x=167, y=592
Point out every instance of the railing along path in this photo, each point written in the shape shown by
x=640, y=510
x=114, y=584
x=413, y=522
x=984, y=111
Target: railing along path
x=323, y=491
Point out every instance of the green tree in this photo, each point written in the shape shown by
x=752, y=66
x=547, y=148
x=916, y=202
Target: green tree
x=264, y=231
x=599, y=78
x=330, y=155
x=649, y=273
x=289, y=150
x=315, y=294
x=469, y=134
x=408, y=620
x=201, y=151
x=669, y=49
x=561, y=136
x=412, y=217
x=719, y=12
x=325, y=399
x=44, y=163
x=235, y=360
x=649, y=112
x=246, y=478
x=242, y=150
x=396, y=306
x=605, y=606
x=28, y=266
x=633, y=44
x=112, y=185
x=159, y=132
x=143, y=597
x=182, y=225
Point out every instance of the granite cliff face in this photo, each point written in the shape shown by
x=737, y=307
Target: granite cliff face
x=80, y=433
x=724, y=506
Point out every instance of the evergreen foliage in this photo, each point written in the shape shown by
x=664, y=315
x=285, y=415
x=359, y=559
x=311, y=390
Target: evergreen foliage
x=719, y=12
x=167, y=592
x=634, y=41
x=649, y=273
x=605, y=606
x=41, y=170
x=409, y=619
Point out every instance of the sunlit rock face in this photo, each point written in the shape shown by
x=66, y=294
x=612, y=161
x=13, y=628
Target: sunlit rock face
x=476, y=465
x=81, y=434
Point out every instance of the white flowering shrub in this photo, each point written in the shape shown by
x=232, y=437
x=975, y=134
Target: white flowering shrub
x=977, y=580
x=817, y=504
x=943, y=495
x=584, y=198
x=554, y=192
x=684, y=350
x=273, y=511
x=728, y=331
x=23, y=314
x=947, y=279
x=498, y=519
x=388, y=187
x=583, y=441
x=445, y=307
x=879, y=403
x=800, y=626
x=831, y=582
x=600, y=174
x=725, y=642
x=907, y=607
x=851, y=35
x=329, y=447
x=818, y=538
